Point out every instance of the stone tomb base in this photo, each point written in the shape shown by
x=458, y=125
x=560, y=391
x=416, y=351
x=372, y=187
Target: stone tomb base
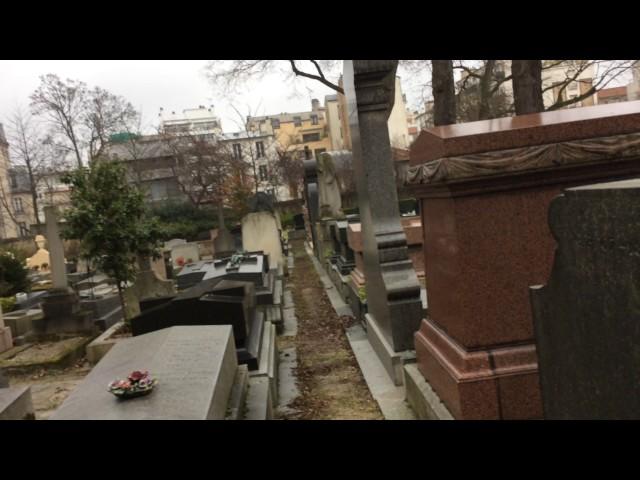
x=195, y=366
x=62, y=314
x=423, y=400
x=393, y=362
x=16, y=404
x=268, y=365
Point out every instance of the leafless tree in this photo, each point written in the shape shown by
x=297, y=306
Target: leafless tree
x=105, y=114
x=27, y=152
x=80, y=119
x=62, y=104
x=229, y=75
x=202, y=167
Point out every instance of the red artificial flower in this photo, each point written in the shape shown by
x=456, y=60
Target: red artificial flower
x=137, y=376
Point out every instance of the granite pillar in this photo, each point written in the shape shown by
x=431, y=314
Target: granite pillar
x=485, y=189
x=393, y=291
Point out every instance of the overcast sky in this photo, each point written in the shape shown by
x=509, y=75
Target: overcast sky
x=172, y=84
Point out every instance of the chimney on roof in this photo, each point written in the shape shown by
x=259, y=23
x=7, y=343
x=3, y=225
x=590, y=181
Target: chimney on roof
x=315, y=104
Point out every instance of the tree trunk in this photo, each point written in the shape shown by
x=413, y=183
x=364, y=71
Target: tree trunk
x=527, y=86
x=444, y=94
x=220, y=216
x=484, y=110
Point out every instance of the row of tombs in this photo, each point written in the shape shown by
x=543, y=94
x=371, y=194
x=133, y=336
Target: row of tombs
x=208, y=337
x=529, y=253
x=524, y=242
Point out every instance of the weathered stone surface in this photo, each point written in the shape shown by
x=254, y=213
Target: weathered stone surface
x=260, y=233
x=393, y=291
x=4, y=381
x=586, y=317
x=184, y=254
x=195, y=367
x=16, y=404
x=56, y=249
x=312, y=200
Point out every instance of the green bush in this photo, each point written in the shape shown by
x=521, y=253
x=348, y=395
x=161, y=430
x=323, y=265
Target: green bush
x=7, y=304
x=183, y=220
x=13, y=274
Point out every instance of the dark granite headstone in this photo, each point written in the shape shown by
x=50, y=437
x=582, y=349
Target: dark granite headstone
x=298, y=221
x=587, y=317
x=215, y=301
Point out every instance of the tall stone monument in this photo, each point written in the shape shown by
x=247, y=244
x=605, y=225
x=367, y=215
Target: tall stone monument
x=311, y=199
x=60, y=305
x=586, y=317
x=393, y=291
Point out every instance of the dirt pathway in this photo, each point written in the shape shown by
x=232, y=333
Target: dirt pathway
x=328, y=377
x=49, y=388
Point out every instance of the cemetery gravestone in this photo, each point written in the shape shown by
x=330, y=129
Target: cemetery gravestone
x=260, y=233
x=195, y=367
x=485, y=189
x=210, y=302
x=184, y=254
x=586, y=317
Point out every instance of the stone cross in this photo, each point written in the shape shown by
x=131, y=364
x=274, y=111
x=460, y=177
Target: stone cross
x=56, y=249
x=393, y=290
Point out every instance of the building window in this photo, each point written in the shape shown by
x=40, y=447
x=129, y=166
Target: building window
x=17, y=205
x=275, y=123
x=262, y=170
x=14, y=181
x=260, y=149
x=314, y=119
x=24, y=231
x=297, y=121
x=311, y=137
x=237, y=151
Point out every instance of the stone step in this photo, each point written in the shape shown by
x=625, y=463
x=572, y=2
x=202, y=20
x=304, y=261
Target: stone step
x=16, y=404
x=259, y=401
x=238, y=398
x=268, y=367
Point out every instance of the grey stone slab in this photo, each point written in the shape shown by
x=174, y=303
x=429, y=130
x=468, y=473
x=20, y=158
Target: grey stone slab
x=423, y=399
x=99, y=347
x=586, y=318
x=290, y=323
x=287, y=387
x=4, y=380
x=195, y=367
x=393, y=361
x=238, y=398
x=16, y=403
x=259, y=401
x=268, y=365
x=390, y=398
